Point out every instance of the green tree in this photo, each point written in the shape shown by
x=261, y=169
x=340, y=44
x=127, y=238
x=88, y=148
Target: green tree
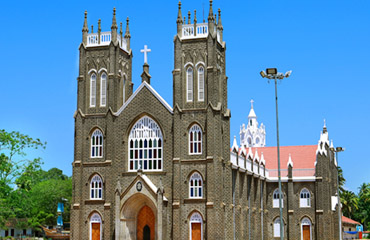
x=341, y=180
x=363, y=214
x=349, y=202
x=14, y=163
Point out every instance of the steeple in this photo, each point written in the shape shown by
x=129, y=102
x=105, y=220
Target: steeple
x=85, y=30
x=253, y=135
x=127, y=33
x=220, y=28
x=211, y=18
x=114, y=26
x=179, y=21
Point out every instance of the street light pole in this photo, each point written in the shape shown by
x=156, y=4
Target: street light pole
x=271, y=73
x=337, y=150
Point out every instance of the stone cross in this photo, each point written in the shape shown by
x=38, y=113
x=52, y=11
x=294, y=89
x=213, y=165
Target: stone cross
x=252, y=103
x=145, y=51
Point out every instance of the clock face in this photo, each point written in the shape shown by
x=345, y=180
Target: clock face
x=139, y=186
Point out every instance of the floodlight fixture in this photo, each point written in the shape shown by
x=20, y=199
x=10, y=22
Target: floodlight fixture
x=271, y=71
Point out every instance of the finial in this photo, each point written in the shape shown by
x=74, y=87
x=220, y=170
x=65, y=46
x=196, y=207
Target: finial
x=210, y=16
x=290, y=162
x=99, y=26
x=92, y=28
x=252, y=103
x=179, y=16
x=114, y=21
x=184, y=19
x=85, y=28
x=324, y=128
x=120, y=28
x=127, y=33
x=219, y=23
x=189, y=17
x=195, y=16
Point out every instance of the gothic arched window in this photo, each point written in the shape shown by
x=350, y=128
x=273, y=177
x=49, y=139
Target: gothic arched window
x=277, y=227
x=305, y=198
x=196, y=186
x=145, y=146
x=195, y=140
x=97, y=144
x=275, y=199
x=189, y=84
x=96, y=187
x=201, y=84
x=103, y=90
x=93, y=90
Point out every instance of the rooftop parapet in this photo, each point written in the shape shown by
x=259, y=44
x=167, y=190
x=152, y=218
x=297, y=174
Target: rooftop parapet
x=105, y=38
x=199, y=30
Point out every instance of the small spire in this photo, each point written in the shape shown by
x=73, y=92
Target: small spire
x=324, y=130
x=195, y=16
x=252, y=103
x=235, y=145
x=120, y=29
x=179, y=15
x=189, y=17
x=290, y=162
x=127, y=34
x=219, y=24
x=210, y=15
x=262, y=159
x=184, y=19
x=114, y=21
x=85, y=30
x=92, y=28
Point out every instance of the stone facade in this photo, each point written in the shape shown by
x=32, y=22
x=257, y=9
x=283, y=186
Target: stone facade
x=234, y=203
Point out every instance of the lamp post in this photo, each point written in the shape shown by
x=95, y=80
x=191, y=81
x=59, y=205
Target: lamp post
x=337, y=150
x=272, y=73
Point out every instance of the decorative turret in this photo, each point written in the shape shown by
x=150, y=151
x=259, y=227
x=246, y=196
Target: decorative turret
x=114, y=26
x=179, y=21
x=253, y=136
x=211, y=19
x=220, y=28
x=85, y=30
x=127, y=34
x=323, y=142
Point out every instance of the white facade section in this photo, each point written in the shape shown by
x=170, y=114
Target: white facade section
x=252, y=135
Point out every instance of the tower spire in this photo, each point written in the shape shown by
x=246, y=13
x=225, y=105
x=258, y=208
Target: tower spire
x=220, y=28
x=85, y=30
x=127, y=33
x=211, y=19
x=114, y=26
x=179, y=21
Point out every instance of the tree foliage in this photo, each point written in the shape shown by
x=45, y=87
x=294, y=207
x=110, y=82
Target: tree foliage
x=27, y=191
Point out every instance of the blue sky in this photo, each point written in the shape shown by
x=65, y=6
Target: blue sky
x=325, y=43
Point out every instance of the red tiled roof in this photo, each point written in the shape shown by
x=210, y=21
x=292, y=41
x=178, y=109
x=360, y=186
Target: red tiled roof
x=348, y=220
x=303, y=157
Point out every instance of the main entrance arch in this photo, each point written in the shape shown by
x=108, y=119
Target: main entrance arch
x=138, y=218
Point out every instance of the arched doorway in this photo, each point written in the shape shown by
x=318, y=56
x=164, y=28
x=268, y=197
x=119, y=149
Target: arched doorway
x=306, y=229
x=196, y=226
x=95, y=227
x=145, y=224
x=138, y=211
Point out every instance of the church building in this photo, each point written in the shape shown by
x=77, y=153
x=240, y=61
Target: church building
x=146, y=170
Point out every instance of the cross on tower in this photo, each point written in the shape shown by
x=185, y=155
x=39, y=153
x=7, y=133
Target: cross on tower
x=145, y=51
x=252, y=103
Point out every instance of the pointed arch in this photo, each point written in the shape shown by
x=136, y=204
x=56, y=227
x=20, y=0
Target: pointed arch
x=103, y=89
x=189, y=84
x=201, y=83
x=145, y=146
x=275, y=199
x=96, y=187
x=93, y=90
x=95, y=226
x=195, y=226
x=306, y=228
x=304, y=198
x=96, y=144
x=276, y=223
x=196, y=185
x=195, y=140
